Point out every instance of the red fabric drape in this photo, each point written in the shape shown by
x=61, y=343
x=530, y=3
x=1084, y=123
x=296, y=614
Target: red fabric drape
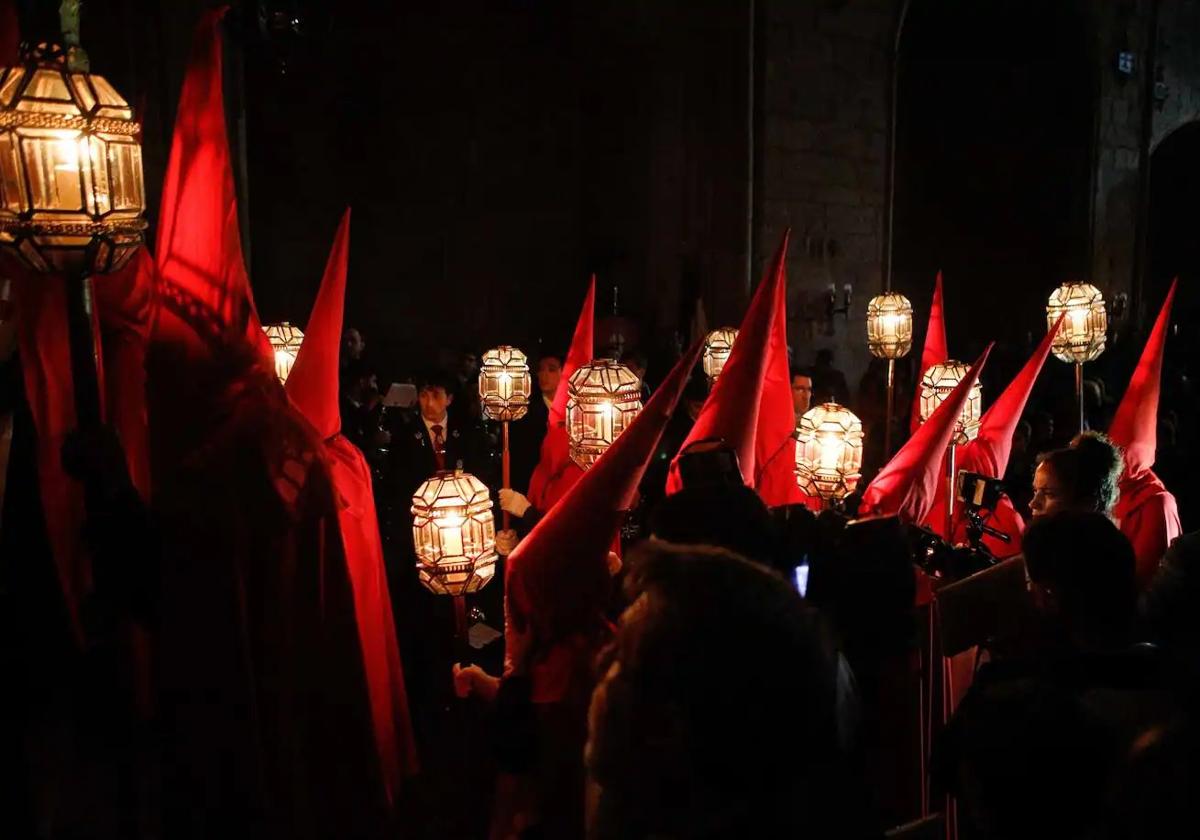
x=313, y=389
x=1146, y=510
x=266, y=699
x=774, y=438
x=935, y=350
x=732, y=409
x=557, y=579
x=124, y=304
x=44, y=345
x=988, y=455
x=202, y=275
x=907, y=485
x=555, y=472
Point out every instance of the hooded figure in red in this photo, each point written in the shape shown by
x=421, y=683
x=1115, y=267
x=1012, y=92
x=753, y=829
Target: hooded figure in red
x=908, y=485
x=555, y=472
x=312, y=386
x=775, y=434
x=1146, y=510
x=266, y=720
x=557, y=584
x=750, y=405
x=988, y=456
x=934, y=352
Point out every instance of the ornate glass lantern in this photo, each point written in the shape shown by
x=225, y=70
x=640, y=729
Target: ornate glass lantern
x=603, y=397
x=285, y=341
x=1084, y=329
x=504, y=384
x=71, y=190
x=829, y=452
x=936, y=385
x=889, y=326
x=454, y=533
x=718, y=344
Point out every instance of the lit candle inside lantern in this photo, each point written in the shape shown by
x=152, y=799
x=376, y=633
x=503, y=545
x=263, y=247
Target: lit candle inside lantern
x=285, y=341
x=454, y=533
x=603, y=397
x=718, y=344
x=829, y=448
x=1083, y=333
x=889, y=326
x=937, y=384
x=504, y=384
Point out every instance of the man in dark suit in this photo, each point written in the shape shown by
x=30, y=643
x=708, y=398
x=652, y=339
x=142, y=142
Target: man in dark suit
x=423, y=442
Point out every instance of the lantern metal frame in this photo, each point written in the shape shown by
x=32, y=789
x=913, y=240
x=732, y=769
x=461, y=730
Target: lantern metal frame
x=937, y=383
x=504, y=390
x=603, y=398
x=285, y=341
x=58, y=120
x=454, y=533
x=718, y=344
x=72, y=194
x=1084, y=331
x=504, y=384
x=829, y=452
x=889, y=336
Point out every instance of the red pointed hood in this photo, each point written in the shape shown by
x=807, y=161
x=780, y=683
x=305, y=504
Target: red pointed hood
x=313, y=382
x=998, y=423
x=908, y=484
x=732, y=409
x=774, y=447
x=204, y=289
x=579, y=354
x=1135, y=425
x=935, y=350
x=558, y=576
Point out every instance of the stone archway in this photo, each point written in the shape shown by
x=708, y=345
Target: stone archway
x=1174, y=247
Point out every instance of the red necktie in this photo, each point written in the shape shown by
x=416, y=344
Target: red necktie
x=439, y=446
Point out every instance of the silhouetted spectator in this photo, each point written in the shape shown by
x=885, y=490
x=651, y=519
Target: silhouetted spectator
x=829, y=383
x=1082, y=477
x=716, y=715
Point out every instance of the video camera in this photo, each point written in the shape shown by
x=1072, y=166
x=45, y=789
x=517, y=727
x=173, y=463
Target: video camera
x=944, y=560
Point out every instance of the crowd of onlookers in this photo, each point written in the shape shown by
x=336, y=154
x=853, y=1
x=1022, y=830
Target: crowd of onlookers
x=766, y=666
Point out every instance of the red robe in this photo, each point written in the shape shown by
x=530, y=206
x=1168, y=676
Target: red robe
x=1149, y=517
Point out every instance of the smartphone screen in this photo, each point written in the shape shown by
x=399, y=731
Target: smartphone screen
x=800, y=574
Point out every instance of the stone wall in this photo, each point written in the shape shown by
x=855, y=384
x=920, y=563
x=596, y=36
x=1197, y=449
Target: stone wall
x=1119, y=156
x=823, y=141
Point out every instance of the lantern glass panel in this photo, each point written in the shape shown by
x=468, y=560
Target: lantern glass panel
x=1084, y=330
x=937, y=384
x=70, y=168
x=829, y=450
x=718, y=344
x=454, y=533
x=889, y=326
x=285, y=341
x=603, y=398
x=504, y=384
